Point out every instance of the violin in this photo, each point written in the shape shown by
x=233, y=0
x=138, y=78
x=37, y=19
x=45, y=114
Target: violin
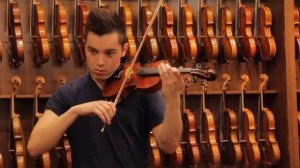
x=247, y=42
x=126, y=14
x=268, y=144
x=39, y=34
x=15, y=35
x=1, y=161
x=0, y=52
x=266, y=41
x=250, y=149
x=155, y=154
x=146, y=78
x=208, y=142
x=297, y=33
x=81, y=13
x=227, y=39
x=188, y=39
x=168, y=37
x=231, y=153
x=42, y=161
x=189, y=129
x=209, y=39
x=298, y=118
x=16, y=142
x=60, y=32
x=150, y=48
x=63, y=150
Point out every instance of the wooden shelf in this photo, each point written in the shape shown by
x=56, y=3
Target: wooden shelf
x=235, y=92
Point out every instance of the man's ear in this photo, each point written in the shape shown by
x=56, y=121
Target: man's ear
x=124, y=49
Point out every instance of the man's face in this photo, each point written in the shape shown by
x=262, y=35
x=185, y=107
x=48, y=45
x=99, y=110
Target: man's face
x=103, y=54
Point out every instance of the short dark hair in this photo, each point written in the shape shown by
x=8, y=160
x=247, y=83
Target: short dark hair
x=101, y=21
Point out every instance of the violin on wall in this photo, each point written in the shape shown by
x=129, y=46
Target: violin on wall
x=188, y=40
x=208, y=142
x=60, y=32
x=38, y=33
x=42, y=161
x=16, y=141
x=81, y=14
x=268, y=144
x=168, y=37
x=231, y=153
x=249, y=144
x=150, y=47
x=15, y=35
x=126, y=14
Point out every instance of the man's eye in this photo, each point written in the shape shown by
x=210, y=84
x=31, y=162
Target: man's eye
x=110, y=53
x=93, y=52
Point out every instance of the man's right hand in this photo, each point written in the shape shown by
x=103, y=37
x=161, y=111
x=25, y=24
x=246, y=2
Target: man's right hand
x=105, y=110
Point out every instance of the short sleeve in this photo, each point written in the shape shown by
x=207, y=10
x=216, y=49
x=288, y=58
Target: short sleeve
x=154, y=107
x=59, y=102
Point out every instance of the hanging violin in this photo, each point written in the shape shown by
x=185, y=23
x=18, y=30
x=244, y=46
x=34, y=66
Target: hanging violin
x=81, y=14
x=266, y=42
x=268, y=144
x=42, y=161
x=209, y=39
x=150, y=48
x=60, y=32
x=188, y=39
x=249, y=145
x=168, y=37
x=16, y=140
x=297, y=33
x=189, y=136
x=227, y=39
x=231, y=153
x=1, y=161
x=38, y=33
x=15, y=35
x=246, y=40
x=126, y=14
x=208, y=142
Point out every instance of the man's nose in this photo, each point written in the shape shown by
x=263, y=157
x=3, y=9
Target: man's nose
x=101, y=60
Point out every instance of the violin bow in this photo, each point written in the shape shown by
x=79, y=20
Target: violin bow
x=129, y=70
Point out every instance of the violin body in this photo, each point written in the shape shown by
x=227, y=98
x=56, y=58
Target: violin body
x=67, y=150
x=155, y=155
x=19, y=157
x=192, y=150
x=251, y=153
x=39, y=33
x=1, y=161
x=227, y=40
x=189, y=44
x=61, y=31
x=266, y=40
x=168, y=37
x=15, y=35
x=270, y=144
x=126, y=14
x=297, y=33
x=150, y=47
x=248, y=46
x=209, y=145
x=82, y=14
x=209, y=39
x=231, y=152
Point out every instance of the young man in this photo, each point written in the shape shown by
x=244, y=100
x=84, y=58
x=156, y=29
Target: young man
x=79, y=109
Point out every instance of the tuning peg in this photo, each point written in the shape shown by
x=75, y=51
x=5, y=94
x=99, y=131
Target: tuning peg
x=194, y=79
x=198, y=66
x=206, y=68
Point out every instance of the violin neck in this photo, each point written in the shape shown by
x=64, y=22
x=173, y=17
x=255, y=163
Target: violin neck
x=154, y=71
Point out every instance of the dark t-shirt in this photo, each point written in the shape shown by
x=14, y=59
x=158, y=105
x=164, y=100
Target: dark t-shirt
x=124, y=143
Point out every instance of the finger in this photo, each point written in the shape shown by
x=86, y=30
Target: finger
x=105, y=113
x=108, y=108
x=113, y=107
x=100, y=115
